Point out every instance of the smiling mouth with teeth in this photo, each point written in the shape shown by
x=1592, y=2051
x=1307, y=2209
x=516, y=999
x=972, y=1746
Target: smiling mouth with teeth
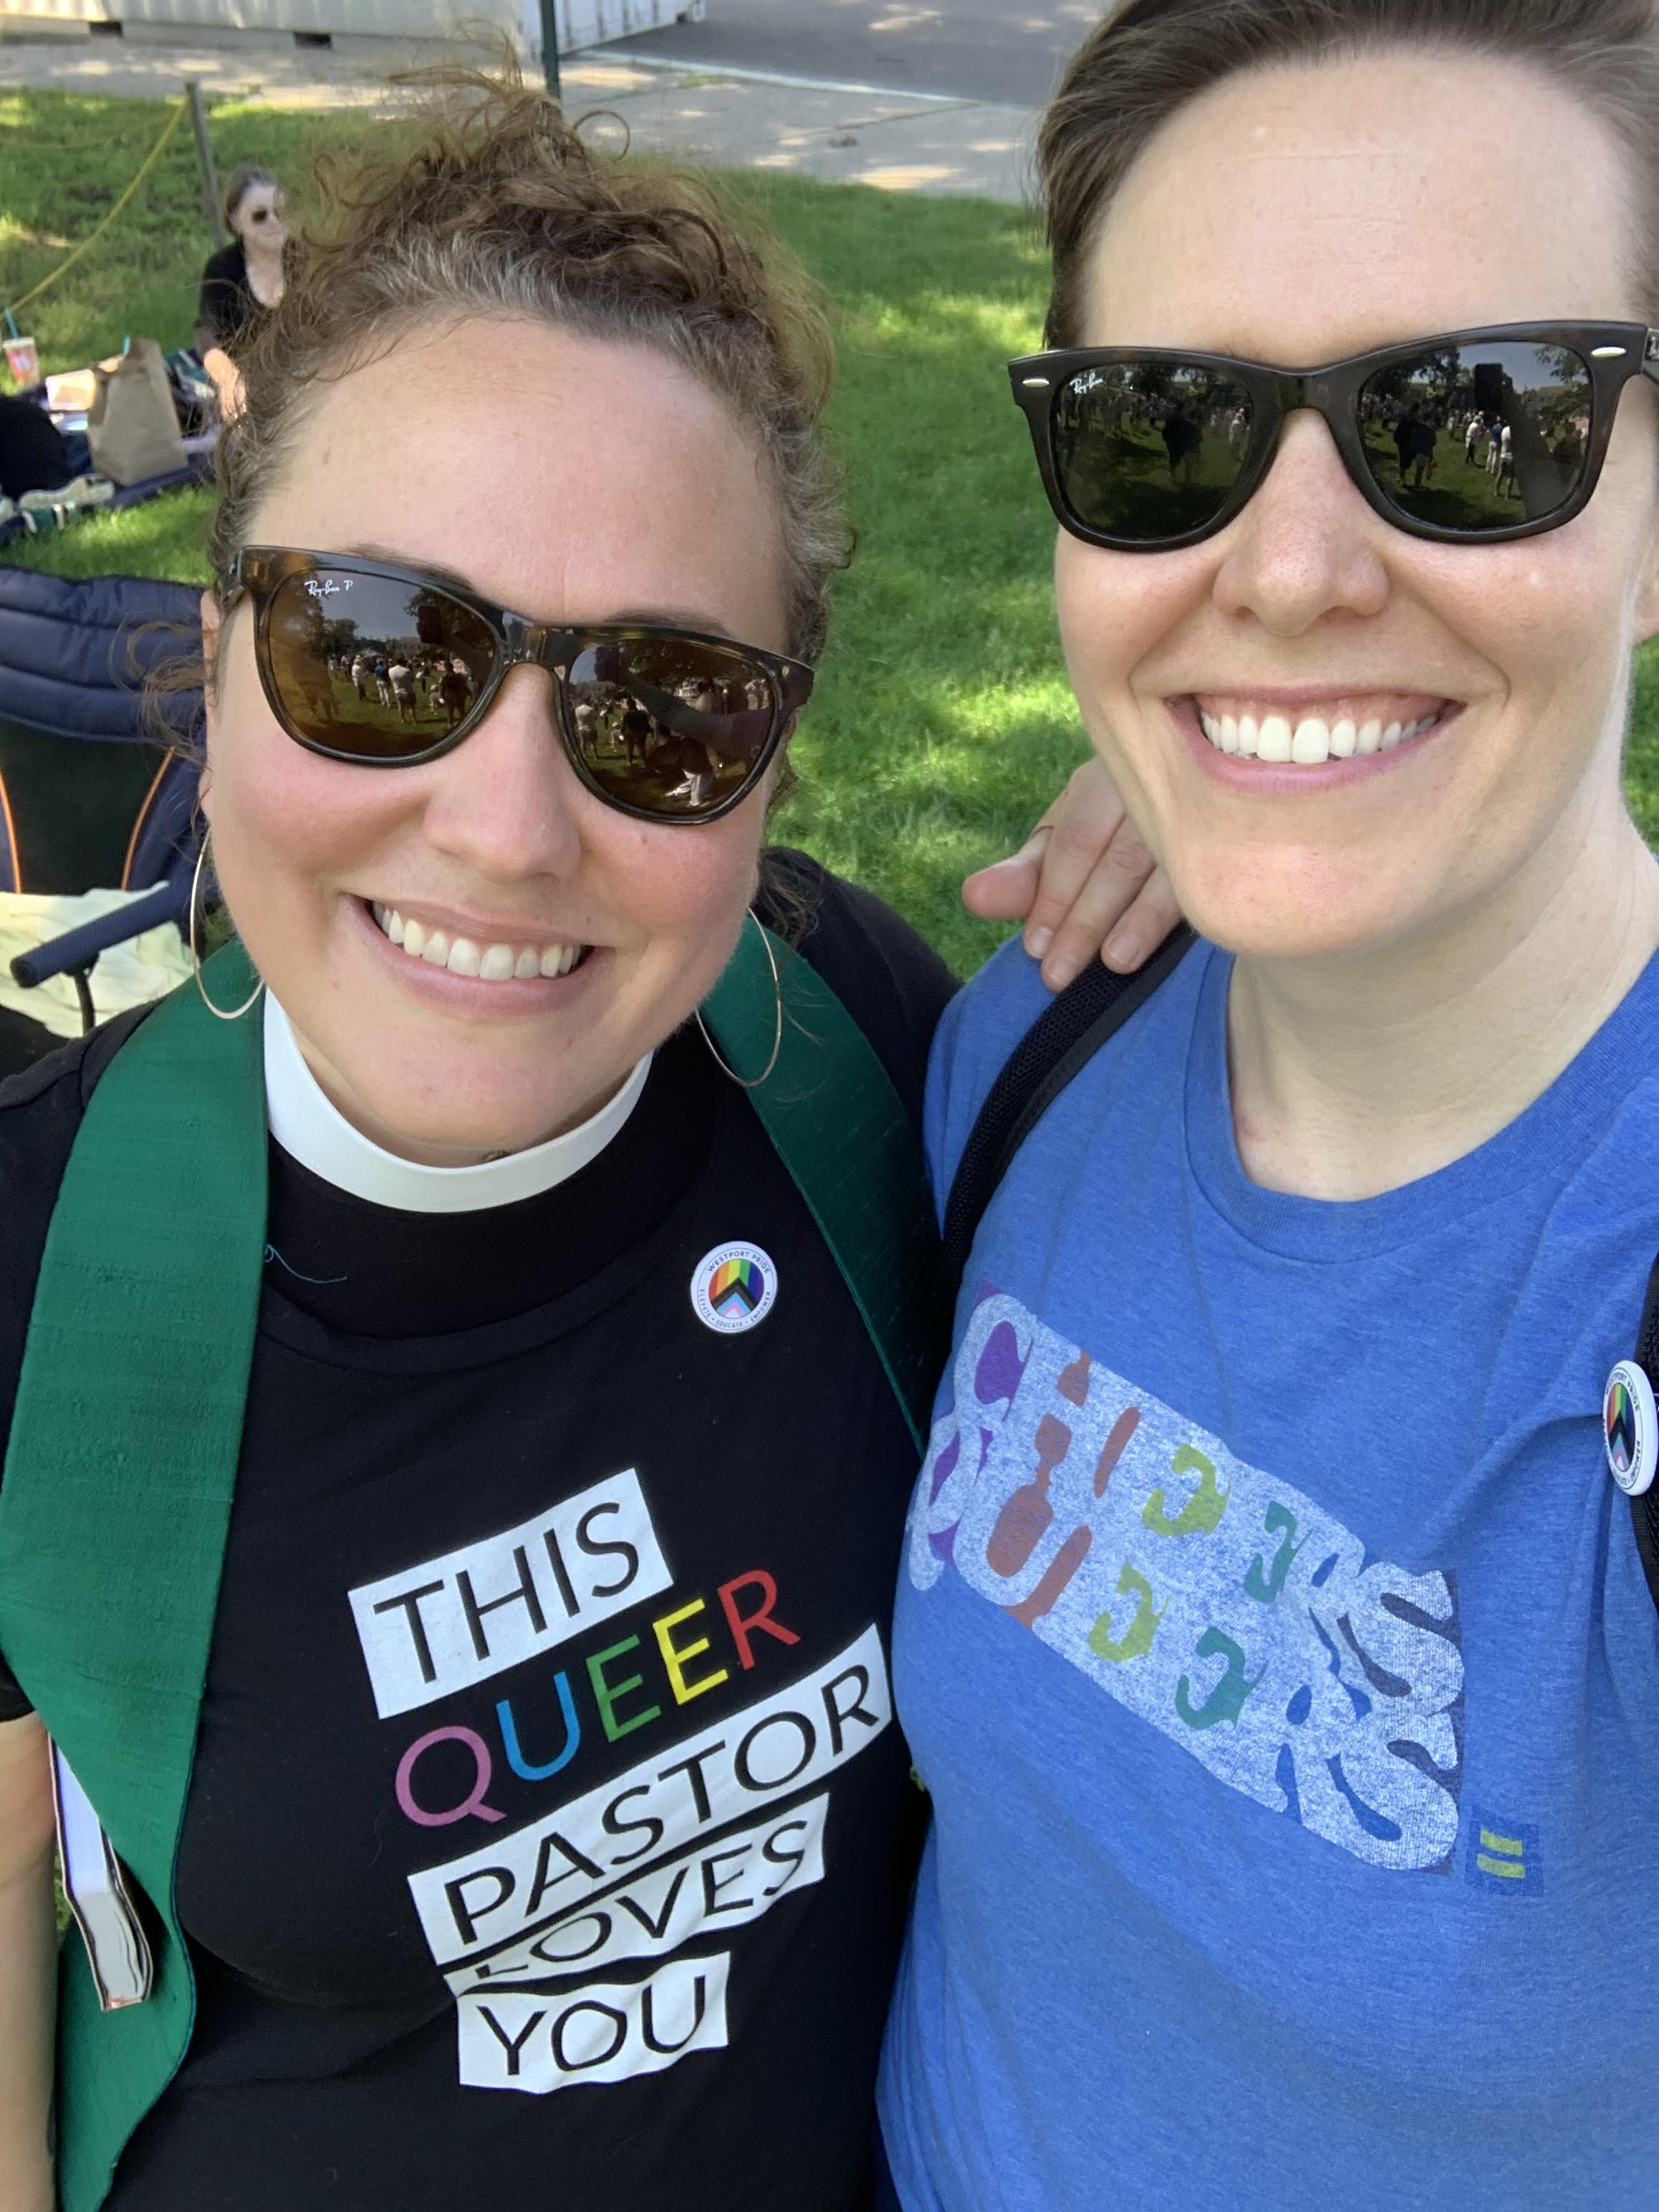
x=464, y=956
x=1309, y=740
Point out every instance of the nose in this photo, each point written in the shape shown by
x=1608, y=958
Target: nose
x=507, y=802
x=1307, y=546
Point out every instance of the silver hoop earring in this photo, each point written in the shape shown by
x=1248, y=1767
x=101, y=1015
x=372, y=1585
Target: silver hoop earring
x=754, y=1082
x=218, y=1012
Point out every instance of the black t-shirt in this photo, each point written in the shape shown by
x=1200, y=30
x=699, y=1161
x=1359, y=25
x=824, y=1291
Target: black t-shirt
x=549, y=1658
x=32, y=456
x=228, y=310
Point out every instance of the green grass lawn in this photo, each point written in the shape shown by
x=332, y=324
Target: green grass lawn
x=942, y=721
x=66, y=157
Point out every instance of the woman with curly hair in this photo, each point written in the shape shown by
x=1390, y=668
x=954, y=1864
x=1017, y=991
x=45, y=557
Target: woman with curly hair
x=460, y=1402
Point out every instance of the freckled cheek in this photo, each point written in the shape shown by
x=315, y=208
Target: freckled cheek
x=287, y=822
x=680, y=896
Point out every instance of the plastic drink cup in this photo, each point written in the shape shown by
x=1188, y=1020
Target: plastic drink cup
x=23, y=359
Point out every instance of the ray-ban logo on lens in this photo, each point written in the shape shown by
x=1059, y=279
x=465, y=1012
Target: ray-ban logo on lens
x=733, y=1288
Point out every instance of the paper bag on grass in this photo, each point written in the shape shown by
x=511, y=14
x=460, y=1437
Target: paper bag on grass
x=132, y=425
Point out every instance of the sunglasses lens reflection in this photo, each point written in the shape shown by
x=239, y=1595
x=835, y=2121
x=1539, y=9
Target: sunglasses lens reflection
x=1477, y=438
x=1147, y=450
x=670, y=726
x=371, y=669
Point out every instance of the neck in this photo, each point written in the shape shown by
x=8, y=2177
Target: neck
x=1354, y=1074
x=436, y=1153
x=319, y=1129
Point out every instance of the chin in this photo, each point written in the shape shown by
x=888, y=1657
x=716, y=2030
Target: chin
x=1295, y=915
x=466, y=1112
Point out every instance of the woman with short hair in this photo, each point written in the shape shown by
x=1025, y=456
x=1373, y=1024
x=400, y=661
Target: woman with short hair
x=461, y=1374
x=1273, y=1642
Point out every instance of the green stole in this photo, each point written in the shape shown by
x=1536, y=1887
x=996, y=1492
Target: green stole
x=121, y=1466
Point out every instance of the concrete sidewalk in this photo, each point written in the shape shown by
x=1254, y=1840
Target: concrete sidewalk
x=843, y=134
x=903, y=143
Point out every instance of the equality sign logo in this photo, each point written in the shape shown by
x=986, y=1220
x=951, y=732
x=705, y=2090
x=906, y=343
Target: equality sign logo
x=733, y=1288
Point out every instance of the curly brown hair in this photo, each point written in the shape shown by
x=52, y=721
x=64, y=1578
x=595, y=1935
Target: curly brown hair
x=498, y=207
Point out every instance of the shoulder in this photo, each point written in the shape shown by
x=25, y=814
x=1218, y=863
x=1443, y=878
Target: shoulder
x=888, y=978
x=1594, y=1135
x=974, y=1039
x=40, y=1113
x=69, y=1074
x=228, y=266
x=983, y=1028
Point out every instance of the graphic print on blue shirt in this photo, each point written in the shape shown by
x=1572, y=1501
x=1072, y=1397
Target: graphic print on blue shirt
x=1187, y=1955
x=699, y=1838
x=1214, y=1600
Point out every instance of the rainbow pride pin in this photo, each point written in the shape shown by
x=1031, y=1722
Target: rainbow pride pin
x=733, y=1288
x=1630, y=1428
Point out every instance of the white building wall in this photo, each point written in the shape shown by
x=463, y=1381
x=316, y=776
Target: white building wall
x=581, y=23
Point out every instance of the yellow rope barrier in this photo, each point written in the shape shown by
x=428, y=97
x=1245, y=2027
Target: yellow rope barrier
x=92, y=236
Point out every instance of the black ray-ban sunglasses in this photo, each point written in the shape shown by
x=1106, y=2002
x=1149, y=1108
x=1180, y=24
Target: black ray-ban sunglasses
x=387, y=667
x=1475, y=437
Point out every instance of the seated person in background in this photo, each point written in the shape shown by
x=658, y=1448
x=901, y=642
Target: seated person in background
x=32, y=456
x=242, y=280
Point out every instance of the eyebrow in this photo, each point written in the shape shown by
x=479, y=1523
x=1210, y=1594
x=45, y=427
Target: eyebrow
x=655, y=617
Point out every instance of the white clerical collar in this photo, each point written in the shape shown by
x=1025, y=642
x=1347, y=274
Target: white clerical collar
x=310, y=1129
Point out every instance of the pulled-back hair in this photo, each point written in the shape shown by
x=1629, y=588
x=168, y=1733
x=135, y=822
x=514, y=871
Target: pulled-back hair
x=496, y=207
x=1147, y=59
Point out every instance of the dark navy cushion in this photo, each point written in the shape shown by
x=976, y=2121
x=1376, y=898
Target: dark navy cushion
x=74, y=654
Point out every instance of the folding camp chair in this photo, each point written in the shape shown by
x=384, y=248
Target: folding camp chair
x=97, y=789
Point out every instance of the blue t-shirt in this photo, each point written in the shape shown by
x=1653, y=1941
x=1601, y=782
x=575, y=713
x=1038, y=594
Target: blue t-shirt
x=1274, y=1645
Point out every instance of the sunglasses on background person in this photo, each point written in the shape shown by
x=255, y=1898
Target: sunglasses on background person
x=1471, y=438
x=388, y=667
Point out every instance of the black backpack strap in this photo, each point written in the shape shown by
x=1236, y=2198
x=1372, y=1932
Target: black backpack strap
x=1644, y=1509
x=1061, y=1041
